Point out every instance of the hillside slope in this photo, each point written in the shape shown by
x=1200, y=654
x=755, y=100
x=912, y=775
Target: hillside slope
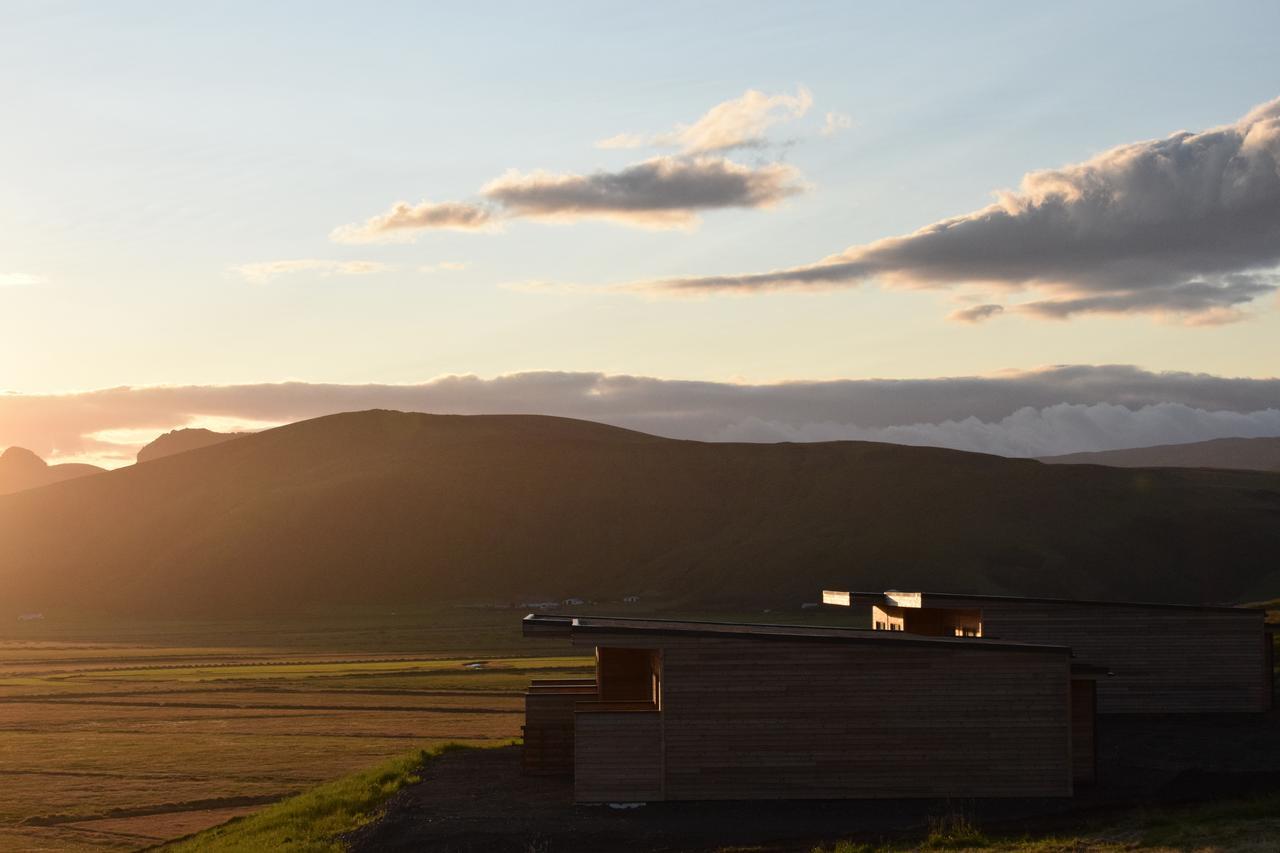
x=390, y=507
x=20, y=469
x=1246, y=454
x=182, y=440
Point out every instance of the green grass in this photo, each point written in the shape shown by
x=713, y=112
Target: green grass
x=1240, y=826
x=312, y=821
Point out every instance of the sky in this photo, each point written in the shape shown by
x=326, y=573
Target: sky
x=706, y=201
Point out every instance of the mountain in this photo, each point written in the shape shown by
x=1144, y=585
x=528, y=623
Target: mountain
x=20, y=469
x=1249, y=454
x=387, y=507
x=182, y=440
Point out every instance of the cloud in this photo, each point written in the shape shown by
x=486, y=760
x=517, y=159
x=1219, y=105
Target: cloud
x=976, y=313
x=624, y=140
x=1034, y=412
x=663, y=192
x=1187, y=226
x=265, y=271
x=403, y=219
x=444, y=266
x=19, y=279
x=1049, y=431
x=737, y=123
x=833, y=123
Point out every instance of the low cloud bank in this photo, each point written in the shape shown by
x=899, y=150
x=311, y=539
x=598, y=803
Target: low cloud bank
x=1025, y=413
x=1053, y=430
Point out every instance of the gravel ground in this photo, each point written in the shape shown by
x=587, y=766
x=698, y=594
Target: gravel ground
x=471, y=801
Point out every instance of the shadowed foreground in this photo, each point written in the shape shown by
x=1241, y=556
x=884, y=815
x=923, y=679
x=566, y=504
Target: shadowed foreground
x=477, y=800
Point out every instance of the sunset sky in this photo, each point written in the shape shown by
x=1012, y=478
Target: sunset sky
x=651, y=214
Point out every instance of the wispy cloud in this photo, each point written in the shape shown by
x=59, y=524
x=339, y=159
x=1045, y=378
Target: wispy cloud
x=265, y=271
x=1187, y=226
x=740, y=122
x=19, y=279
x=444, y=266
x=624, y=140
x=976, y=313
x=833, y=123
x=404, y=219
x=1031, y=412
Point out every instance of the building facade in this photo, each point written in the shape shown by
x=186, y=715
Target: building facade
x=683, y=710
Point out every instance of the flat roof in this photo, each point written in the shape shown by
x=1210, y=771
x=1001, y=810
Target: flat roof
x=565, y=625
x=1018, y=599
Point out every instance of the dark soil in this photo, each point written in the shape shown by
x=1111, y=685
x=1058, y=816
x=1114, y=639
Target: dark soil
x=478, y=800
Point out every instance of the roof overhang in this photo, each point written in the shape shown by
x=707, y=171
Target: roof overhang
x=536, y=625
x=540, y=625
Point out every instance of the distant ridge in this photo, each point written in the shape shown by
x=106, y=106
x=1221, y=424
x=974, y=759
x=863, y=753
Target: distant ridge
x=391, y=508
x=1247, y=454
x=182, y=440
x=20, y=469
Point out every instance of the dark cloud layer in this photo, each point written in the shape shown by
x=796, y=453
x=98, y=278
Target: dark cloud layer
x=1053, y=410
x=1187, y=225
x=660, y=192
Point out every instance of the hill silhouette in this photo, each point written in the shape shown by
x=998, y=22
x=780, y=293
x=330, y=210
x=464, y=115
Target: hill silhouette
x=20, y=469
x=182, y=440
x=1247, y=454
x=389, y=507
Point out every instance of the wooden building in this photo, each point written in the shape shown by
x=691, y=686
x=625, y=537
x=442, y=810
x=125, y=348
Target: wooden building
x=1164, y=658
x=711, y=711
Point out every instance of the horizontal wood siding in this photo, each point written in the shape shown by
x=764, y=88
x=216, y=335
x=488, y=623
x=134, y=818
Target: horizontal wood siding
x=768, y=719
x=1164, y=660
x=548, y=725
x=617, y=756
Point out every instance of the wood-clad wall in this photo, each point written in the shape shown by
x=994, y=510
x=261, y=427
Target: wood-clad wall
x=1164, y=659
x=768, y=718
x=548, y=724
x=617, y=756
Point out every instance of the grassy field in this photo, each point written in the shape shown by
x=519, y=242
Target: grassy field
x=120, y=736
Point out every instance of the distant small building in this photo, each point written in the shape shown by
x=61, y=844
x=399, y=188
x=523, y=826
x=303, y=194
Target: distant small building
x=573, y=602
x=541, y=605
x=630, y=599
x=30, y=617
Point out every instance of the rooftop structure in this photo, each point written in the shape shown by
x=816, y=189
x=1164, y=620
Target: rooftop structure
x=1166, y=658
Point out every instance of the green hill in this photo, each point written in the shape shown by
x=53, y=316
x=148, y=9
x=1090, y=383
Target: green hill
x=382, y=507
